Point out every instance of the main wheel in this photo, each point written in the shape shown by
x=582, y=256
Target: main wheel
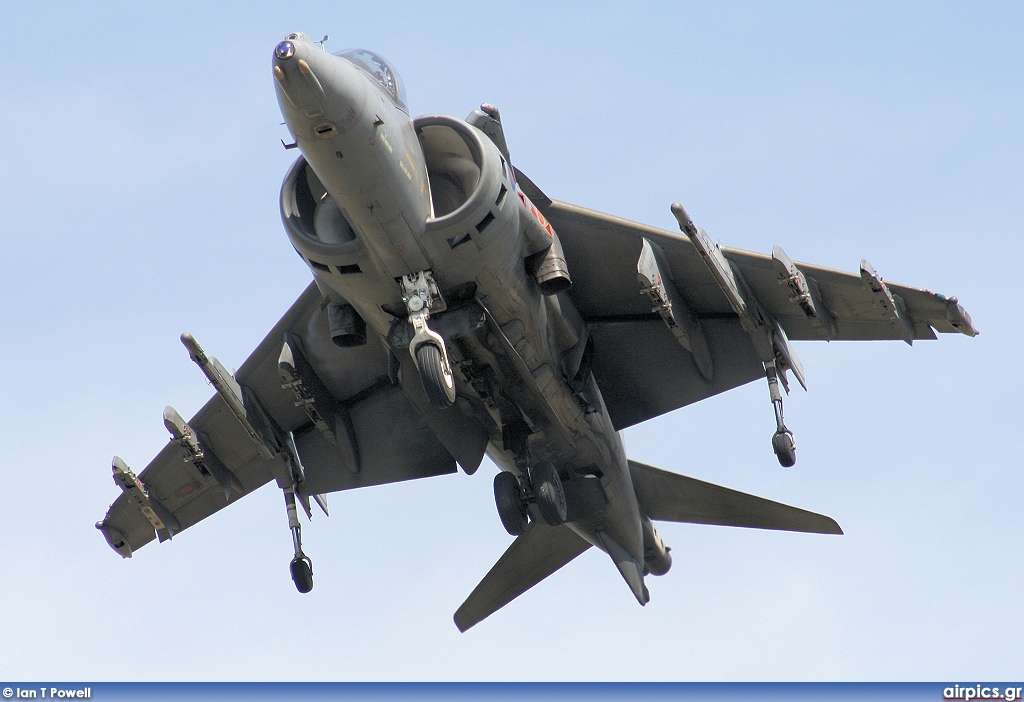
x=511, y=508
x=784, y=446
x=302, y=573
x=547, y=487
x=439, y=385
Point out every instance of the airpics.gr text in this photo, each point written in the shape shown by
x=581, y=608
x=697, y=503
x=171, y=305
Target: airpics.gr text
x=979, y=692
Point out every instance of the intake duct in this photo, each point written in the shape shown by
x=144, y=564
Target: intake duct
x=473, y=198
x=316, y=225
x=323, y=237
x=455, y=160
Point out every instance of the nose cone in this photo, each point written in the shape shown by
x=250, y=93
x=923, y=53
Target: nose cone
x=315, y=88
x=298, y=86
x=285, y=50
x=294, y=43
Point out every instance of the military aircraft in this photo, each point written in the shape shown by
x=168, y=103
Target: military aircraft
x=458, y=311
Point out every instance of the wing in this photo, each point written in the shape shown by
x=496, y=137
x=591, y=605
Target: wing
x=343, y=422
x=644, y=370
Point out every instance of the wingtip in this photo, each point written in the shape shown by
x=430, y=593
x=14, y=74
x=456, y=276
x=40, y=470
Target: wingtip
x=460, y=622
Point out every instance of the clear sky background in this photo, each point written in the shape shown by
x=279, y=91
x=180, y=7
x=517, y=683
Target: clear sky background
x=141, y=165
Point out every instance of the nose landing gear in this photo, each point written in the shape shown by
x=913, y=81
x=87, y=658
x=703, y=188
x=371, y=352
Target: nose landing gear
x=436, y=375
x=421, y=297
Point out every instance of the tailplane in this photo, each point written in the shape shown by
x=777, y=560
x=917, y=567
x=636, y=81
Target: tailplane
x=670, y=497
x=663, y=496
x=535, y=555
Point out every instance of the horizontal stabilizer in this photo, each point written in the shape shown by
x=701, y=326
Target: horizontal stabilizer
x=670, y=497
x=535, y=555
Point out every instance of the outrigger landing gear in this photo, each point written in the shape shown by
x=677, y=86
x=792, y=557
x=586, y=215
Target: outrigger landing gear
x=421, y=296
x=783, y=441
x=301, y=566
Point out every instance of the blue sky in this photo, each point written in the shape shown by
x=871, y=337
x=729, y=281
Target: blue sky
x=142, y=164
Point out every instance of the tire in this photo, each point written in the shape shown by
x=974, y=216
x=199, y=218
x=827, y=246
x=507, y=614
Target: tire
x=547, y=487
x=438, y=385
x=302, y=574
x=511, y=508
x=785, y=448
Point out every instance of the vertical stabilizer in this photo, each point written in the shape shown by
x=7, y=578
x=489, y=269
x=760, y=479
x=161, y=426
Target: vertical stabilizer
x=632, y=571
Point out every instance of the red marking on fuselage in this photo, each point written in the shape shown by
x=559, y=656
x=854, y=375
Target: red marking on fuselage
x=535, y=212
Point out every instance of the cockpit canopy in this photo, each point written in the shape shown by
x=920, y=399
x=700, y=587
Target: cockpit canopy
x=381, y=70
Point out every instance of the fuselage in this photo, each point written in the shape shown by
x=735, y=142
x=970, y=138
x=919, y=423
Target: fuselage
x=379, y=197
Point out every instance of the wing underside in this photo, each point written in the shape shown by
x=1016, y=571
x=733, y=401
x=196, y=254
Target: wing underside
x=376, y=433
x=643, y=369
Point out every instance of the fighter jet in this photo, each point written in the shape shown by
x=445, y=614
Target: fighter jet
x=457, y=311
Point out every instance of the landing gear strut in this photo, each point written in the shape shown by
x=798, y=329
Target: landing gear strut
x=783, y=441
x=301, y=566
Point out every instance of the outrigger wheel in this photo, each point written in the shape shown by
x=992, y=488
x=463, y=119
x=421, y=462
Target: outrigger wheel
x=302, y=573
x=784, y=446
x=510, y=503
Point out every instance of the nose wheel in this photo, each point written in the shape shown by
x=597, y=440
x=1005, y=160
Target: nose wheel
x=436, y=375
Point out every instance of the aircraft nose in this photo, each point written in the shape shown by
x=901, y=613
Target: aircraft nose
x=285, y=50
x=292, y=45
x=312, y=82
x=296, y=68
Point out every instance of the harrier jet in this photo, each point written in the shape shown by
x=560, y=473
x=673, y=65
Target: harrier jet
x=457, y=311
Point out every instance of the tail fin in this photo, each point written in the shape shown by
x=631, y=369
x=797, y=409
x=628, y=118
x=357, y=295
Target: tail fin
x=670, y=497
x=535, y=555
x=632, y=571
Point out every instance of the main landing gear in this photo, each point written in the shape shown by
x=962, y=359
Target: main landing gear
x=508, y=496
x=783, y=441
x=512, y=496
